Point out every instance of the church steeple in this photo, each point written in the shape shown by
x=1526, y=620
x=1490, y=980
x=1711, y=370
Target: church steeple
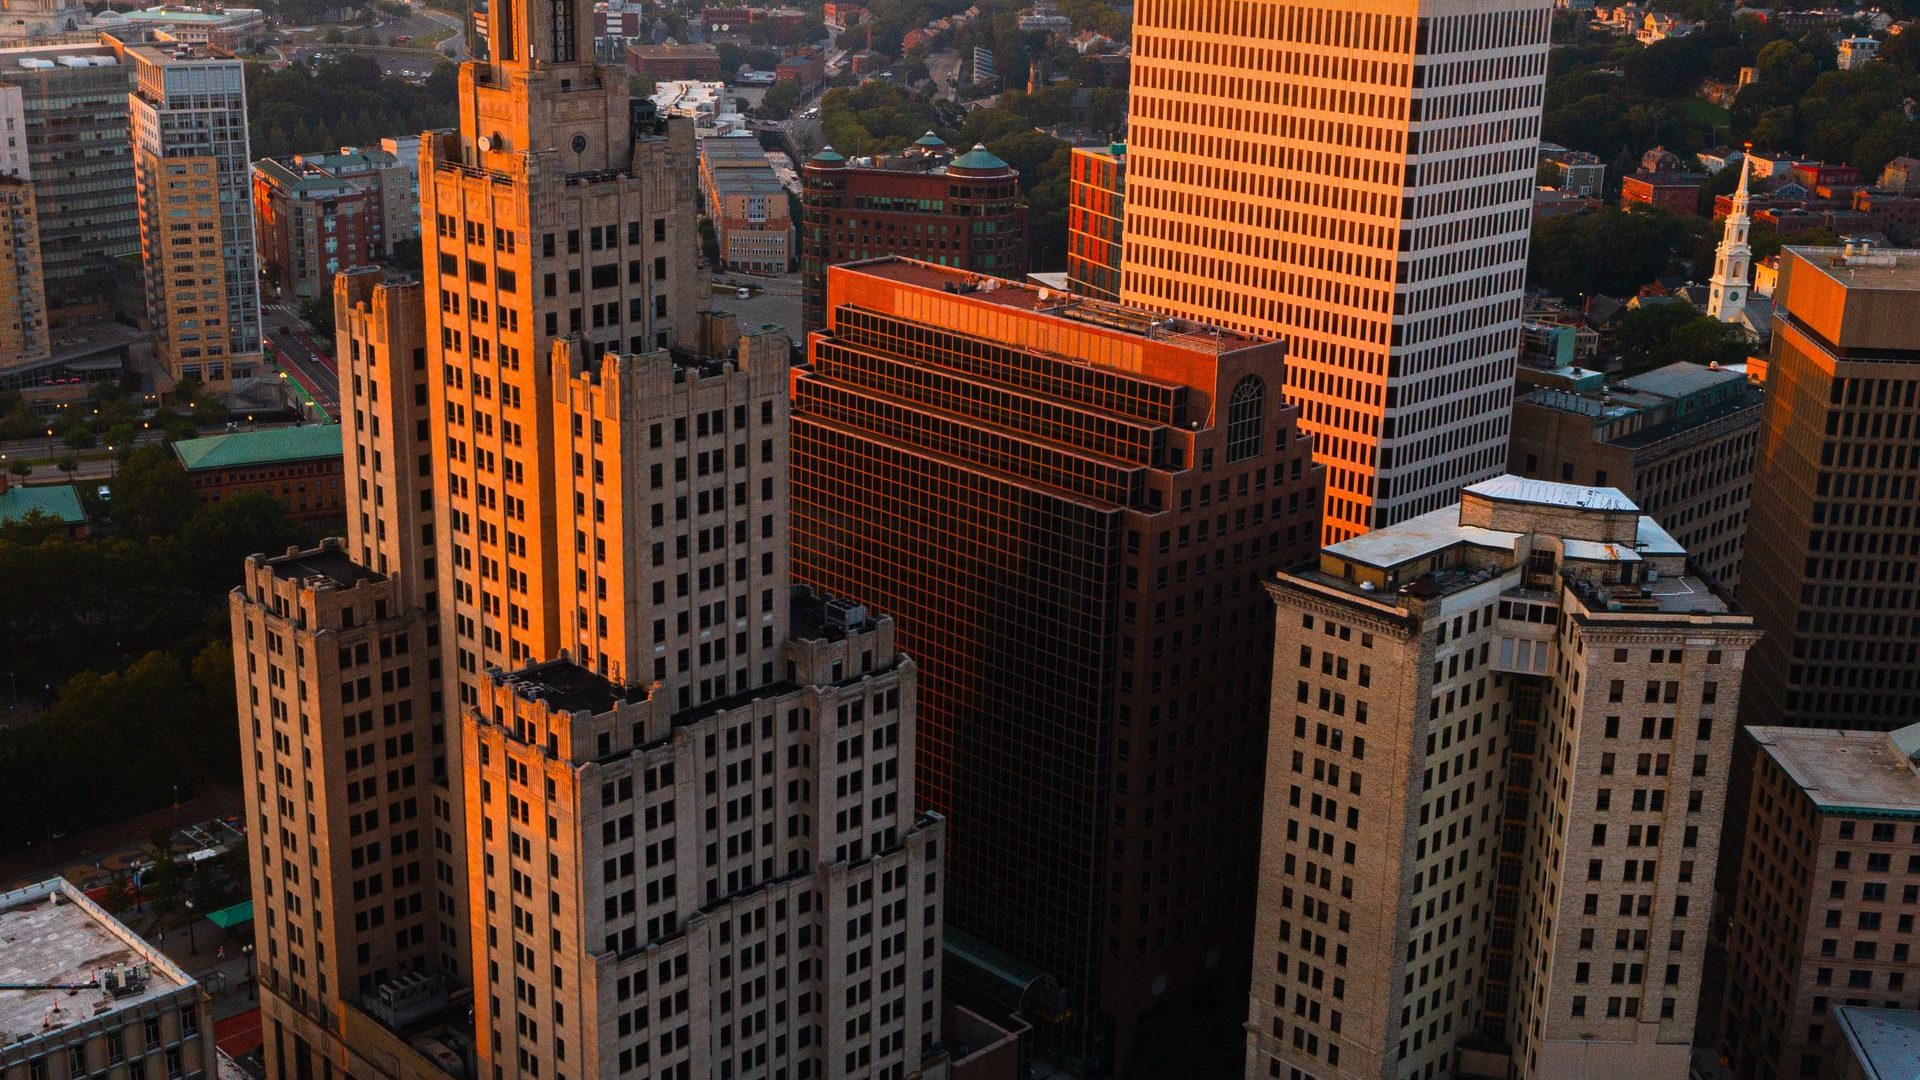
x=1727, y=298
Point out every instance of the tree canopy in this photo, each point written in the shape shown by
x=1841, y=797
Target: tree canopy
x=1609, y=251
x=342, y=102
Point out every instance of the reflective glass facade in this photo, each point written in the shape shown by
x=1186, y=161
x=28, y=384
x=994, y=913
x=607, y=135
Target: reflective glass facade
x=1043, y=492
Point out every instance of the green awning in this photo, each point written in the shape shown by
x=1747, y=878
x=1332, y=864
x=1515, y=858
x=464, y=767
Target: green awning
x=229, y=917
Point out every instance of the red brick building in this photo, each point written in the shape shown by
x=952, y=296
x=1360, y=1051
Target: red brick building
x=300, y=466
x=805, y=69
x=923, y=203
x=1676, y=193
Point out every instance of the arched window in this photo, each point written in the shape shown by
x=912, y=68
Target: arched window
x=1245, y=411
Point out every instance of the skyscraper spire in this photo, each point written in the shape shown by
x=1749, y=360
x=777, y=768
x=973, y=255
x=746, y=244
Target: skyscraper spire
x=1727, y=299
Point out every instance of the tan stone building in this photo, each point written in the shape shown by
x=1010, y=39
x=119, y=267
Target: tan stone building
x=1358, y=180
x=1829, y=566
x=23, y=294
x=1495, y=780
x=83, y=996
x=1678, y=441
x=192, y=172
x=1829, y=887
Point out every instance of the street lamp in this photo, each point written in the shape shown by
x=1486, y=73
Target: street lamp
x=193, y=947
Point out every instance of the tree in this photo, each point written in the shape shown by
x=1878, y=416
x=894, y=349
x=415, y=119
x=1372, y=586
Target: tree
x=151, y=495
x=318, y=314
x=20, y=468
x=779, y=102
x=67, y=464
x=77, y=437
x=1609, y=251
x=1654, y=335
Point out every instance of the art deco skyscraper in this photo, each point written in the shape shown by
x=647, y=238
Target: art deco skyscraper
x=1358, y=180
x=1831, y=548
x=1501, y=735
x=1069, y=506
x=673, y=827
x=688, y=837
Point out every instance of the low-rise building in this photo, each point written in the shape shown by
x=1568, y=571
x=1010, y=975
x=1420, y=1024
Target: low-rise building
x=1674, y=192
x=300, y=466
x=1824, y=907
x=1679, y=441
x=1855, y=52
x=1574, y=171
x=673, y=60
x=748, y=206
x=806, y=69
x=226, y=29
x=81, y=995
x=58, y=502
x=923, y=203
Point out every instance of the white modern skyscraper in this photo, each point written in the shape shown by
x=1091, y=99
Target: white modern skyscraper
x=1356, y=177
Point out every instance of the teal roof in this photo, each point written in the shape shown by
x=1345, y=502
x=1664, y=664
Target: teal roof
x=262, y=447
x=829, y=154
x=978, y=158
x=929, y=139
x=57, y=500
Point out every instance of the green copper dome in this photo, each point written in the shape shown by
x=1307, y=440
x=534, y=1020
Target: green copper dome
x=929, y=140
x=829, y=156
x=979, y=158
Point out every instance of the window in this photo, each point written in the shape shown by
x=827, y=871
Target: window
x=1245, y=411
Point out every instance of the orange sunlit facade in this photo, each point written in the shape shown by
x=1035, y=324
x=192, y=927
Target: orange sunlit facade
x=1096, y=206
x=1069, y=507
x=1356, y=178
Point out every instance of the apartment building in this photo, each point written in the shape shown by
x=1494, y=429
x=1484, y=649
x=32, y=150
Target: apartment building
x=1068, y=506
x=1501, y=734
x=1358, y=181
x=189, y=128
x=1822, y=917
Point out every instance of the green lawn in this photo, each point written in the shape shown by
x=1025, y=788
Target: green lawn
x=1705, y=114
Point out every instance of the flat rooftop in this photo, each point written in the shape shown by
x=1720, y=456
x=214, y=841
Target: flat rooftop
x=1885, y=1042
x=328, y=563
x=1023, y=297
x=568, y=687
x=1843, y=771
x=53, y=938
x=1888, y=269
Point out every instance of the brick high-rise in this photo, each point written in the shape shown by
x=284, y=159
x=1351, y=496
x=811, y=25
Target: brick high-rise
x=1069, y=506
x=1495, y=780
x=1358, y=180
x=1829, y=570
x=1828, y=891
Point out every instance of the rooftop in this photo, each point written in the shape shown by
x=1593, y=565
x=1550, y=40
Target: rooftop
x=59, y=943
x=1520, y=489
x=59, y=500
x=1846, y=771
x=1013, y=294
x=568, y=687
x=1681, y=380
x=1885, y=1042
x=327, y=563
x=1888, y=269
x=262, y=446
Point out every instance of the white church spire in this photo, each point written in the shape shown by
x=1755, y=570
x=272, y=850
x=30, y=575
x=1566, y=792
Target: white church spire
x=1727, y=296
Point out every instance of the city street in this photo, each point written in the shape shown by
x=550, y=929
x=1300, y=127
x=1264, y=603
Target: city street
x=296, y=354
